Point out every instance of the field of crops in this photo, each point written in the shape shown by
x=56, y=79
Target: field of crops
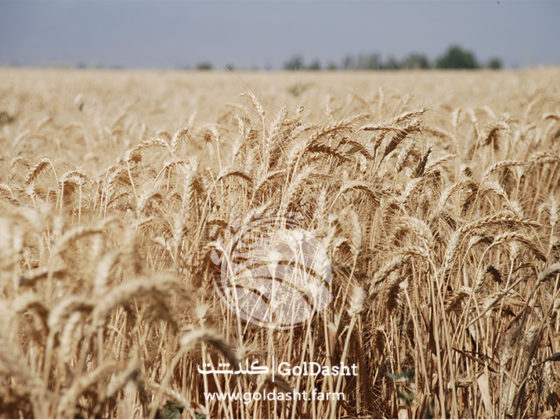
x=435, y=197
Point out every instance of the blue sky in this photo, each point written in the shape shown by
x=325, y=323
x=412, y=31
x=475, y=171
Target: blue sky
x=168, y=34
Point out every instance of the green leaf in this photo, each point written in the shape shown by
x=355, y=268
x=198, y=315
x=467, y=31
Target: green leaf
x=407, y=396
x=406, y=374
x=169, y=411
x=5, y=118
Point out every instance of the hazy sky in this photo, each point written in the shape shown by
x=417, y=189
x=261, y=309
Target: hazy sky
x=167, y=34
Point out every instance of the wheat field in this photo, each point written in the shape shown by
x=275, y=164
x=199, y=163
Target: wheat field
x=435, y=195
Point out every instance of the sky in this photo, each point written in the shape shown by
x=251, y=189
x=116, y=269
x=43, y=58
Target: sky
x=175, y=34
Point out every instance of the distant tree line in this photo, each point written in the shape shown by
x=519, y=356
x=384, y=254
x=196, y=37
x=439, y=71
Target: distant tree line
x=454, y=58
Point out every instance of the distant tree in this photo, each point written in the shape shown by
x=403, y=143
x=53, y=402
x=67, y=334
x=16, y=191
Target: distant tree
x=295, y=63
x=204, y=66
x=230, y=67
x=368, y=62
x=315, y=65
x=349, y=63
x=391, y=64
x=362, y=62
x=374, y=62
x=494, y=63
x=415, y=61
x=332, y=66
x=457, y=58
